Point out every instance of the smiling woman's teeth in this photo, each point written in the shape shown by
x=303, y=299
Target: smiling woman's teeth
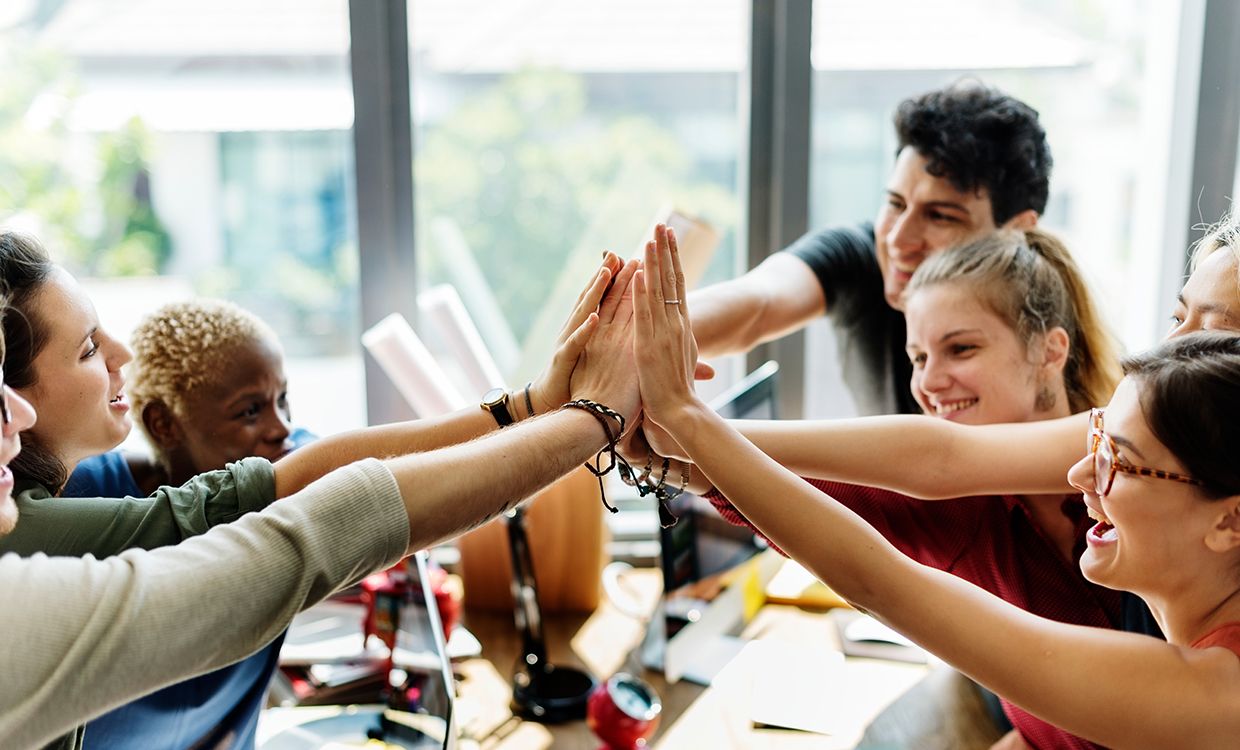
x=1104, y=528
x=1097, y=515
x=954, y=406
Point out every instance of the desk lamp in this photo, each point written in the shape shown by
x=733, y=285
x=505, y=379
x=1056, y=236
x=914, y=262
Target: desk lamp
x=540, y=691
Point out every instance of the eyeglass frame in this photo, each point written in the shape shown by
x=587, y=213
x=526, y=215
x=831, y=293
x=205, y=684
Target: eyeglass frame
x=1119, y=463
x=6, y=416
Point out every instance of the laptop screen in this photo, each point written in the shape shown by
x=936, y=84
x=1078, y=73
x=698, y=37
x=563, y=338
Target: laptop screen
x=349, y=675
x=421, y=652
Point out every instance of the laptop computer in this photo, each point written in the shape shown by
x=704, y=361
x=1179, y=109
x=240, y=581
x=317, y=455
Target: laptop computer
x=420, y=675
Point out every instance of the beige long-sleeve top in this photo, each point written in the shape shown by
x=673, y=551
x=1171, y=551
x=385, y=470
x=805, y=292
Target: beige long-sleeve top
x=79, y=636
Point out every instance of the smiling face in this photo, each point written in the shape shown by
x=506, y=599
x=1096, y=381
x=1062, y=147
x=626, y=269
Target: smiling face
x=1210, y=299
x=969, y=366
x=243, y=412
x=922, y=215
x=78, y=387
x=1151, y=534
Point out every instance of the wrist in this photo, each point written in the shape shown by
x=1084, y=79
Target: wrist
x=683, y=422
x=522, y=404
x=539, y=399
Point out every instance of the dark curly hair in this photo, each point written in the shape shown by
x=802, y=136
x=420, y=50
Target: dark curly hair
x=978, y=137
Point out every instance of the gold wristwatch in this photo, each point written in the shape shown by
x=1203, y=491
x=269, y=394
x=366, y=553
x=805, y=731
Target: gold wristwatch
x=496, y=402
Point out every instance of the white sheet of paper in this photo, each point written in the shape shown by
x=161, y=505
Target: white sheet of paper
x=793, y=687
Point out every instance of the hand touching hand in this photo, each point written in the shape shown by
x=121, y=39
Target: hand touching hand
x=665, y=351
x=605, y=371
x=550, y=389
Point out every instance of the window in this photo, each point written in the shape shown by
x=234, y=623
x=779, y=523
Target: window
x=163, y=149
x=546, y=132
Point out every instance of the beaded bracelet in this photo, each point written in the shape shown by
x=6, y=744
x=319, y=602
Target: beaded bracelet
x=664, y=495
x=659, y=489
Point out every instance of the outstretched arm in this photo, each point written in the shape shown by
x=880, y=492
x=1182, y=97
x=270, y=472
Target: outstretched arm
x=926, y=457
x=550, y=391
x=918, y=456
x=184, y=599
x=153, y=618
x=774, y=299
x=1079, y=678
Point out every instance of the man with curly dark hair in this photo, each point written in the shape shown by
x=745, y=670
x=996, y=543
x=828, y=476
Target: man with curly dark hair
x=970, y=159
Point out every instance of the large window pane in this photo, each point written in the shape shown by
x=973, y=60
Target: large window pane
x=548, y=132
x=163, y=149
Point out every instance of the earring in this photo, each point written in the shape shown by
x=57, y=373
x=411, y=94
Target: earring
x=1045, y=400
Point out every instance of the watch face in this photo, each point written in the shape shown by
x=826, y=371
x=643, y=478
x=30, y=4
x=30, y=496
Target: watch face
x=634, y=697
x=494, y=397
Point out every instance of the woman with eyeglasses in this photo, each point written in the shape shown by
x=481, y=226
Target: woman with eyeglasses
x=1159, y=480
x=1002, y=329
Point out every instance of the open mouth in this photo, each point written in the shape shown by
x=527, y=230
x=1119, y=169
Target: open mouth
x=951, y=407
x=119, y=398
x=1103, y=529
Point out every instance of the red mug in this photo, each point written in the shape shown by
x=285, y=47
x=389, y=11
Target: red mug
x=623, y=712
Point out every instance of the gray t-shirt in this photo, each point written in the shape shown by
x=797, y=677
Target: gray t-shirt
x=83, y=635
x=870, y=335
x=107, y=526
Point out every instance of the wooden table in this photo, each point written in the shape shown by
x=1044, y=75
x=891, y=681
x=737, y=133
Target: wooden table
x=929, y=707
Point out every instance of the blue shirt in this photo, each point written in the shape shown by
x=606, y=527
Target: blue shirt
x=217, y=709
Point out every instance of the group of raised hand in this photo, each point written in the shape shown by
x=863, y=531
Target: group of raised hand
x=628, y=343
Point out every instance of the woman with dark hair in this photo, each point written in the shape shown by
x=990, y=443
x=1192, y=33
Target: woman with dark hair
x=1158, y=478
x=64, y=363
x=1002, y=329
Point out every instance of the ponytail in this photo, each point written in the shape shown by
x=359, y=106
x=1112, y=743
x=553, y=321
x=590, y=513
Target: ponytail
x=1093, y=368
x=1031, y=282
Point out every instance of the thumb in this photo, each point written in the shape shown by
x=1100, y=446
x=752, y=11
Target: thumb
x=703, y=371
x=575, y=344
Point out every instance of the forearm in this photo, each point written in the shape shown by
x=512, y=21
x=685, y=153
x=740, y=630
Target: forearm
x=925, y=457
x=84, y=635
x=726, y=319
x=800, y=520
x=774, y=299
x=310, y=462
x=454, y=489
x=1069, y=675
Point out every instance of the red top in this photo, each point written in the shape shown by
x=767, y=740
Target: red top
x=994, y=543
x=1227, y=636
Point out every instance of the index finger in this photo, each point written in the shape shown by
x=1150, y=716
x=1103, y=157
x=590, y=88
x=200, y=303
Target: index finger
x=618, y=291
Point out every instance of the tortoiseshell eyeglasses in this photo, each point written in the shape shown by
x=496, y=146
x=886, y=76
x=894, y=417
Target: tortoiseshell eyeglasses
x=5, y=415
x=1108, y=461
